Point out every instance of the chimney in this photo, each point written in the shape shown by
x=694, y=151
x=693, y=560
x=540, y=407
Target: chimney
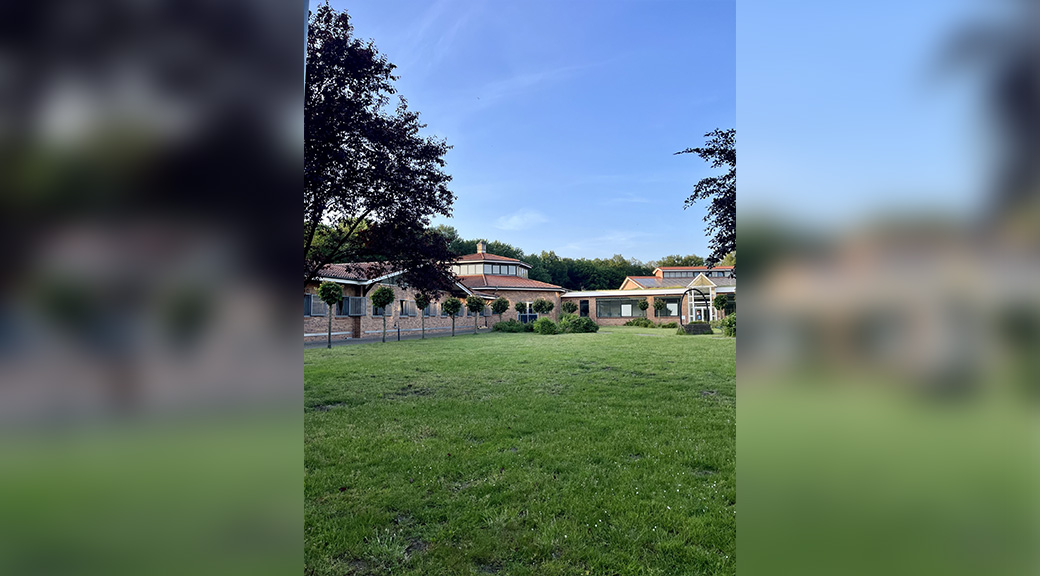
x=481, y=247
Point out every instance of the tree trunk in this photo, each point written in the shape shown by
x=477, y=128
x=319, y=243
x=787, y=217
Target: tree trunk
x=328, y=313
x=422, y=320
x=384, y=328
x=475, y=317
x=452, y=325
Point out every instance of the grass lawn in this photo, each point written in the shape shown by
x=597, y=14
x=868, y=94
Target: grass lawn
x=607, y=453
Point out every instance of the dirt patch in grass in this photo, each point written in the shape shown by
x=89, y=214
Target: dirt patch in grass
x=492, y=568
x=409, y=390
x=416, y=546
x=327, y=407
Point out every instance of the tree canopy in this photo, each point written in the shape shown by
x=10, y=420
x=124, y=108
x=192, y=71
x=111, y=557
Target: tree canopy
x=677, y=260
x=372, y=182
x=721, y=191
x=571, y=273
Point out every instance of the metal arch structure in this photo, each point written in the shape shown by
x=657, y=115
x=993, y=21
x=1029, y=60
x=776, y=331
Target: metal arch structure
x=687, y=291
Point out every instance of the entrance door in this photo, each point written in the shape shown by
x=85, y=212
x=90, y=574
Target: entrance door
x=583, y=308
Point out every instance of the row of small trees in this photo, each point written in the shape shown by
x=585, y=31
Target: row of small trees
x=331, y=294
x=721, y=302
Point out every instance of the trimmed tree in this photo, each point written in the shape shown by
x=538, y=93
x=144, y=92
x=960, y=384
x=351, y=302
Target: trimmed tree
x=331, y=294
x=643, y=305
x=569, y=307
x=451, y=307
x=721, y=302
x=543, y=306
x=521, y=308
x=476, y=305
x=381, y=298
x=499, y=306
x=659, y=305
x=422, y=300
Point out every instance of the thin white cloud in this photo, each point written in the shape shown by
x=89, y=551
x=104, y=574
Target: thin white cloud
x=628, y=199
x=521, y=220
x=430, y=38
x=615, y=243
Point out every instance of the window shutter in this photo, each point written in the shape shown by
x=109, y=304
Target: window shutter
x=357, y=305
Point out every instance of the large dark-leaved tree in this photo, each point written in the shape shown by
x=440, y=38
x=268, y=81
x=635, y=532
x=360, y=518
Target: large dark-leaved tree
x=720, y=150
x=372, y=182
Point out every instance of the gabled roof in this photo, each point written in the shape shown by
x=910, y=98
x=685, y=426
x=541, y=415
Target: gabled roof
x=653, y=282
x=702, y=280
x=482, y=281
x=673, y=291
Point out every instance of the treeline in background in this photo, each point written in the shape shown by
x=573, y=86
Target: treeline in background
x=574, y=273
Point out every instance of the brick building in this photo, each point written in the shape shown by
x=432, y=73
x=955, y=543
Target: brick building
x=482, y=274
x=687, y=291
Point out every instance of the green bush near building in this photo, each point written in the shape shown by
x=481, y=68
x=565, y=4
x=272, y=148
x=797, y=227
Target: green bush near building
x=545, y=326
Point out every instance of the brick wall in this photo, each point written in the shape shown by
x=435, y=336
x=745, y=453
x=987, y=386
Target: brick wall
x=372, y=326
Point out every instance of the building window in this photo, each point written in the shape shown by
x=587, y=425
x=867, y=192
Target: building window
x=670, y=309
x=430, y=310
x=312, y=306
x=618, y=308
x=408, y=308
x=377, y=311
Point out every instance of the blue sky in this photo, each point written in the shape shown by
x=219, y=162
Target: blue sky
x=846, y=113
x=564, y=114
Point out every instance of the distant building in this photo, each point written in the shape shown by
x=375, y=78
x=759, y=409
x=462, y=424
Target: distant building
x=688, y=293
x=482, y=274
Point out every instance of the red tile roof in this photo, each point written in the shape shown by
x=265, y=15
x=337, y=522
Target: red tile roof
x=492, y=257
x=480, y=281
x=359, y=271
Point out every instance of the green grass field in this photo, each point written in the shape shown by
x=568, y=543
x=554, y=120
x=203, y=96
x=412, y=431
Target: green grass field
x=607, y=453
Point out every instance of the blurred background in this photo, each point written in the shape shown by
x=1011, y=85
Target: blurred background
x=889, y=358
x=149, y=363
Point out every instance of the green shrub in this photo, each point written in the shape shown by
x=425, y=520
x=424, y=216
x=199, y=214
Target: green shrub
x=641, y=322
x=729, y=325
x=669, y=325
x=696, y=328
x=572, y=324
x=545, y=326
x=565, y=324
x=584, y=325
x=509, y=326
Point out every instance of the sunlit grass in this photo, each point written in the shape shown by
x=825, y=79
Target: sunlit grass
x=608, y=453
